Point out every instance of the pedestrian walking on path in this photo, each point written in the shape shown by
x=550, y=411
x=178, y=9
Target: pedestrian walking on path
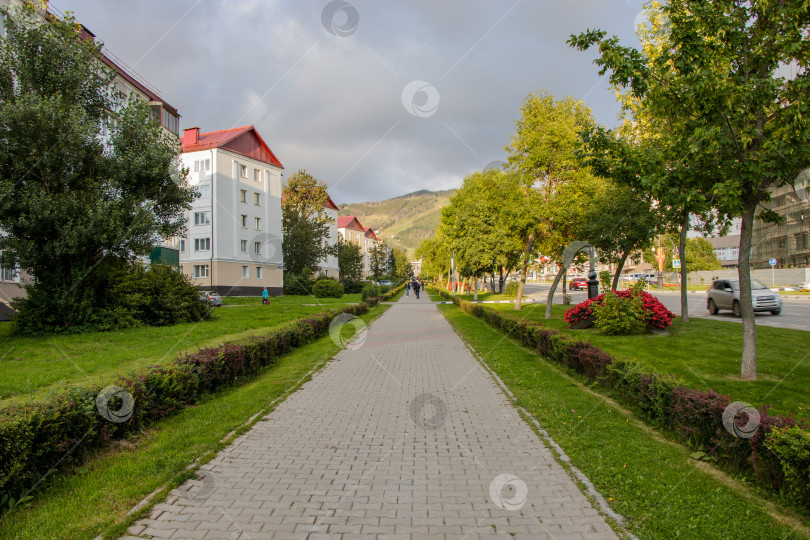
x=403, y=433
x=415, y=287
x=407, y=288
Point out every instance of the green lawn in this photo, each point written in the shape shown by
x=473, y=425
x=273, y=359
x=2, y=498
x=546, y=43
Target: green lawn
x=95, y=498
x=653, y=483
x=29, y=366
x=707, y=353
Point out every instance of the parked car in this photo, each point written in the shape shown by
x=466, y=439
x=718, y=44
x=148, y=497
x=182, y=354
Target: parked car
x=804, y=286
x=725, y=294
x=578, y=283
x=386, y=282
x=212, y=297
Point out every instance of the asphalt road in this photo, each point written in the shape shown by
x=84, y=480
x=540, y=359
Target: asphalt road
x=795, y=312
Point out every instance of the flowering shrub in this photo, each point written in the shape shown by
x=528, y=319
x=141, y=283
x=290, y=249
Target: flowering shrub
x=653, y=311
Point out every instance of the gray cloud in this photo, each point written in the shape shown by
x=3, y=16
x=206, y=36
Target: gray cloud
x=332, y=104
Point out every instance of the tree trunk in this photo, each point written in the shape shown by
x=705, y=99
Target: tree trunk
x=523, y=269
x=475, y=287
x=619, y=268
x=748, y=370
x=550, y=298
x=492, y=282
x=500, y=282
x=684, y=279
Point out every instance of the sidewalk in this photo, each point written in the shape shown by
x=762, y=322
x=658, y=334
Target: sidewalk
x=403, y=434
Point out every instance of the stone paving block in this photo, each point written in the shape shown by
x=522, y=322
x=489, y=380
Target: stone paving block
x=402, y=436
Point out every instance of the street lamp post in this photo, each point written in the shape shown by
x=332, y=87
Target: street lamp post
x=593, y=283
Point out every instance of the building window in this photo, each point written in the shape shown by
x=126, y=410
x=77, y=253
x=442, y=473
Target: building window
x=257, y=199
x=258, y=272
x=243, y=195
x=244, y=221
x=257, y=175
x=245, y=273
x=243, y=171
x=202, y=218
x=204, y=190
x=202, y=244
x=202, y=165
x=258, y=224
x=243, y=246
x=8, y=268
x=200, y=271
x=257, y=248
x=170, y=121
x=182, y=244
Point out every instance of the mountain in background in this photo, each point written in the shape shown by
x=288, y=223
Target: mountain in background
x=402, y=221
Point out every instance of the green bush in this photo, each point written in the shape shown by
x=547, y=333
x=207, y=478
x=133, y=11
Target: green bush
x=511, y=289
x=351, y=286
x=792, y=449
x=618, y=316
x=327, y=288
x=114, y=296
x=370, y=291
x=298, y=285
x=385, y=288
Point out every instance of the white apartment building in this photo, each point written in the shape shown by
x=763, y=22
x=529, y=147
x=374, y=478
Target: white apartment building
x=233, y=243
x=328, y=266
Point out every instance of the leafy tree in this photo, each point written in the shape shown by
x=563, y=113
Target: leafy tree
x=542, y=152
x=699, y=254
x=305, y=224
x=401, y=267
x=619, y=220
x=378, y=260
x=435, y=255
x=720, y=85
x=478, y=222
x=350, y=260
x=76, y=206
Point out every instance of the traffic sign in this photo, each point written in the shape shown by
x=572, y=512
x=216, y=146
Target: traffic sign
x=772, y=261
x=676, y=263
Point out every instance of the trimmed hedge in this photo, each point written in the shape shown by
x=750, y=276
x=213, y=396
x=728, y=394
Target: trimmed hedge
x=37, y=439
x=777, y=455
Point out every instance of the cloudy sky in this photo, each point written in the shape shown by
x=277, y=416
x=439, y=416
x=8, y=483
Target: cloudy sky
x=375, y=98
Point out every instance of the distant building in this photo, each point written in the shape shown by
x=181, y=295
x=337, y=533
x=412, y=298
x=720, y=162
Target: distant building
x=328, y=266
x=726, y=249
x=789, y=241
x=233, y=245
x=351, y=230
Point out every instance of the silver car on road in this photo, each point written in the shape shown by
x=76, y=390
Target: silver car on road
x=725, y=294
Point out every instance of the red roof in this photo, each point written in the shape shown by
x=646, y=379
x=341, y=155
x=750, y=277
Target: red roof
x=330, y=204
x=349, y=222
x=370, y=233
x=243, y=140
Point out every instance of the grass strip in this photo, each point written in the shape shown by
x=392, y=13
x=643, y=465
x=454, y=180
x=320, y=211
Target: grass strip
x=95, y=498
x=30, y=366
x=650, y=481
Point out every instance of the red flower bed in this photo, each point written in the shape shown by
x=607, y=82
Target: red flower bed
x=655, y=314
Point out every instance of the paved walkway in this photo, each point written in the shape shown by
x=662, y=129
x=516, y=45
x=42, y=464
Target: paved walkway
x=406, y=435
